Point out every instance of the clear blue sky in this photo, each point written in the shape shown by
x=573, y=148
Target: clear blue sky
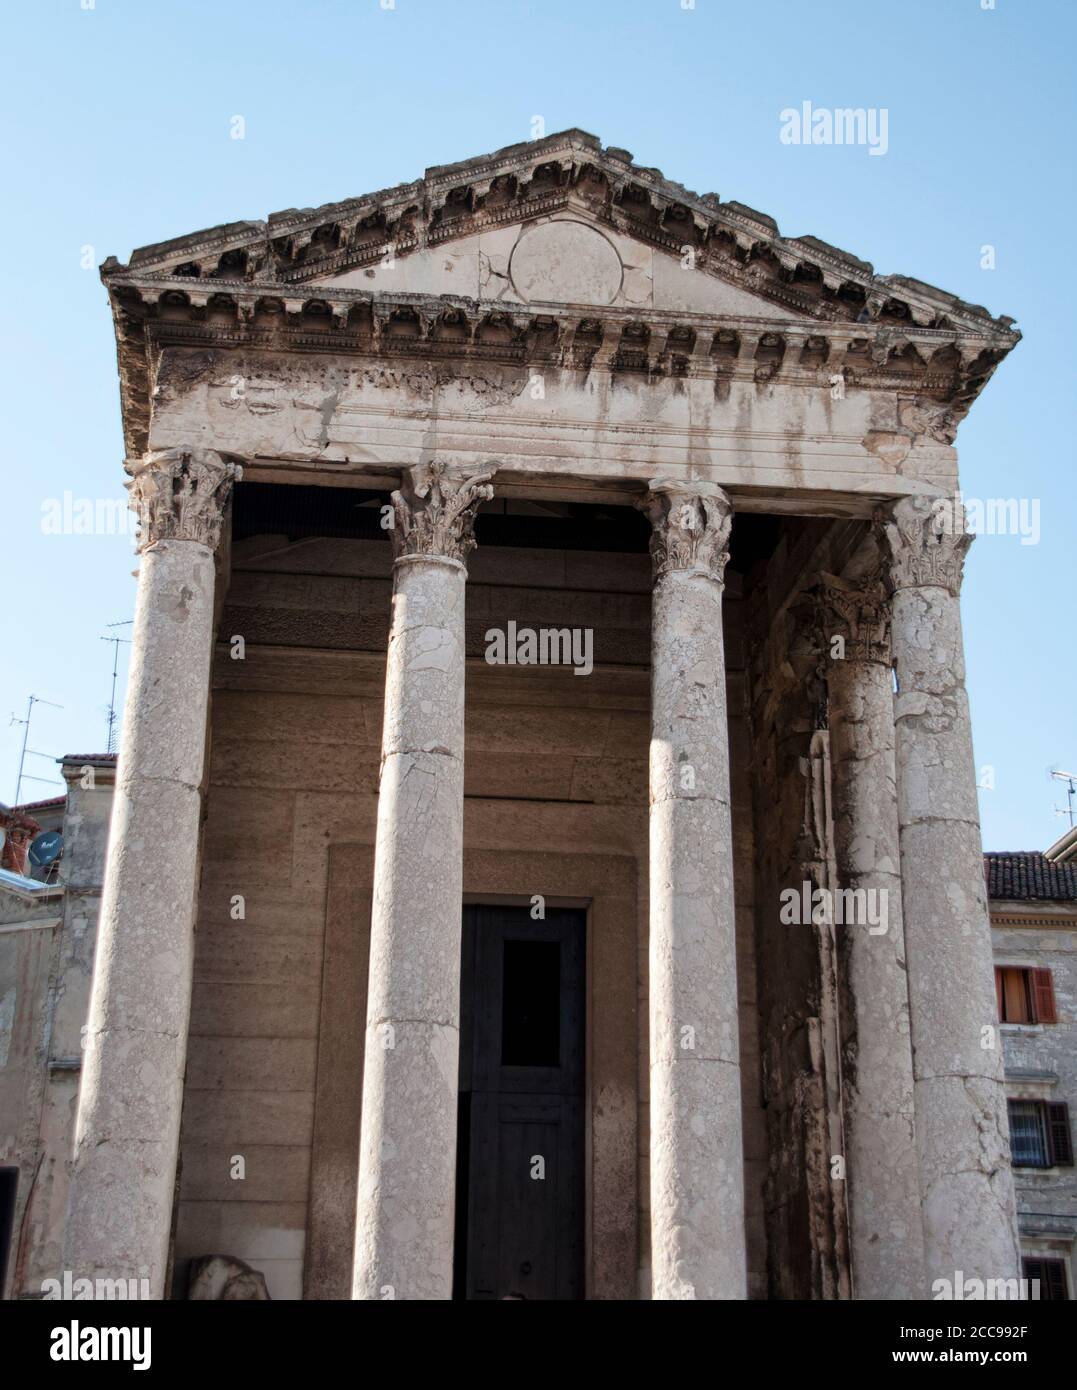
x=116, y=124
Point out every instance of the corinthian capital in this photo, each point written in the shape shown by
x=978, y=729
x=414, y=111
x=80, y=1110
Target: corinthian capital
x=857, y=611
x=690, y=525
x=180, y=495
x=434, y=511
x=926, y=541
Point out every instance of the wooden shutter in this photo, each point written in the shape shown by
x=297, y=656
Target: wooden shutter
x=1060, y=1145
x=1054, y=1277
x=998, y=992
x=1043, y=997
x=1015, y=996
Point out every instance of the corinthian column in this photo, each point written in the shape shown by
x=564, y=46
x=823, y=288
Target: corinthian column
x=881, y=1167
x=131, y=1091
x=697, y=1172
x=962, y=1133
x=407, y=1163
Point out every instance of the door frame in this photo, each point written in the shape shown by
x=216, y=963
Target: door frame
x=604, y=886
x=583, y=905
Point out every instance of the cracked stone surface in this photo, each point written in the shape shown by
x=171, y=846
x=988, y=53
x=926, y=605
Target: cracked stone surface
x=882, y=1164
x=130, y=1098
x=407, y=1165
x=697, y=1179
x=966, y=1183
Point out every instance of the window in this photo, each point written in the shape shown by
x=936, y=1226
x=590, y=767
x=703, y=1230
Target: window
x=1050, y=1273
x=1040, y=1134
x=1024, y=995
x=531, y=1004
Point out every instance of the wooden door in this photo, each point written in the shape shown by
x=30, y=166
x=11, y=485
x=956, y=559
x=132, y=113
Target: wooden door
x=519, y=1229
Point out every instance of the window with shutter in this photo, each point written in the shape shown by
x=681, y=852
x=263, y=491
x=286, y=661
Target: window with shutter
x=1028, y=1134
x=1043, y=997
x=1051, y=1275
x=1058, y=1133
x=1024, y=995
x=1055, y=1280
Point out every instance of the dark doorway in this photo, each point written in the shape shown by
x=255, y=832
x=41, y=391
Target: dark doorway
x=519, y=1179
x=9, y=1184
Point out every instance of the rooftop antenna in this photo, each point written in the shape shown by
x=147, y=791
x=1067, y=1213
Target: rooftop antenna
x=1071, y=791
x=117, y=642
x=26, y=777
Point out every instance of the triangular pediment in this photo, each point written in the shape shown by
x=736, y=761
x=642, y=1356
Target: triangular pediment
x=560, y=220
x=568, y=258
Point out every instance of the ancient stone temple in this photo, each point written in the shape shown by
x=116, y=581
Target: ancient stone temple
x=545, y=859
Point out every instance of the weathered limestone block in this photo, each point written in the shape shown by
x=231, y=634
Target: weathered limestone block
x=962, y=1131
x=882, y=1168
x=696, y=1157
x=407, y=1163
x=130, y=1098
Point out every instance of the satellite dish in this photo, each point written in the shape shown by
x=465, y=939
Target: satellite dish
x=44, y=848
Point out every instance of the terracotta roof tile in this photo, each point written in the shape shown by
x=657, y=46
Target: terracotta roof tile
x=1013, y=875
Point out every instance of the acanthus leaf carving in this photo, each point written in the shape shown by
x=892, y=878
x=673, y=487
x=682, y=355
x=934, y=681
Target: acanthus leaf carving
x=857, y=611
x=926, y=542
x=180, y=494
x=690, y=527
x=434, y=511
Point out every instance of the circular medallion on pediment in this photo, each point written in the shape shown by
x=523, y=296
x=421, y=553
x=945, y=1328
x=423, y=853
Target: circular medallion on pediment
x=565, y=263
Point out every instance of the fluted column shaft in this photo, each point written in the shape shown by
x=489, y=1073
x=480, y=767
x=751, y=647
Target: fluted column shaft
x=696, y=1153
x=881, y=1163
x=407, y=1164
x=131, y=1088
x=962, y=1131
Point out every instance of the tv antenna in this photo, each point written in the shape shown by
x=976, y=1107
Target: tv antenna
x=1070, y=778
x=117, y=642
x=25, y=776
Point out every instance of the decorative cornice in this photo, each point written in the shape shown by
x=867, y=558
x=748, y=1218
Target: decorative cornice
x=180, y=495
x=690, y=526
x=434, y=511
x=531, y=179
x=857, y=611
x=925, y=541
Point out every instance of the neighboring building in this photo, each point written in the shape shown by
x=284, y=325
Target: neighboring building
x=584, y=1016
x=48, y=928
x=1034, y=921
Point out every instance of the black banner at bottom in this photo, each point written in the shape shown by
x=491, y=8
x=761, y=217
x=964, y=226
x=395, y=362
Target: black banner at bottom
x=80, y=1338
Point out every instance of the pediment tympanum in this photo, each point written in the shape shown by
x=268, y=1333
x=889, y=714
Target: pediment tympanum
x=564, y=259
